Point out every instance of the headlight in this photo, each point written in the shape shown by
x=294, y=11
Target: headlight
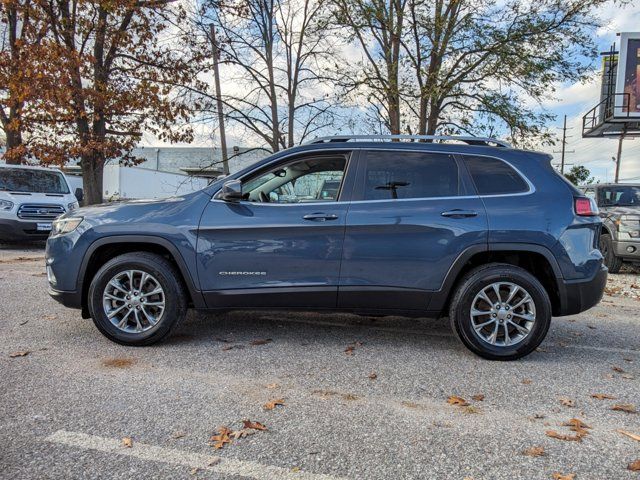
x=6, y=205
x=72, y=206
x=65, y=225
x=629, y=224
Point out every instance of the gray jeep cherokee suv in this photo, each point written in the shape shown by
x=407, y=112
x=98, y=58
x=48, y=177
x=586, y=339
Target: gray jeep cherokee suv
x=469, y=228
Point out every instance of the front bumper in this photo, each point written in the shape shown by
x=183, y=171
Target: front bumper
x=12, y=230
x=578, y=296
x=68, y=299
x=621, y=249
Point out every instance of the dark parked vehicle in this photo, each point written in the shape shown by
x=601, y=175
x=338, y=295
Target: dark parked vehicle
x=619, y=206
x=491, y=236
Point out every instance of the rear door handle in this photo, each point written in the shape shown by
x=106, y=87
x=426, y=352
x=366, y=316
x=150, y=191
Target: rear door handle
x=458, y=213
x=320, y=217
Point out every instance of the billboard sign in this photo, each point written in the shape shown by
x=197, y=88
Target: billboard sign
x=628, y=76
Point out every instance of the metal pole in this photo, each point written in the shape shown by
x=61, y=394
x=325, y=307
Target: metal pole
x=619, y=156
x=564, y=145
x=216, y=76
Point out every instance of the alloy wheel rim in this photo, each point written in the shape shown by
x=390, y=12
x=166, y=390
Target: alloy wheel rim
x=133, y=301
x=503, y=314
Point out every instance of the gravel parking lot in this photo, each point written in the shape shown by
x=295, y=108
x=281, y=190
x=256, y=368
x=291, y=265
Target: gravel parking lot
x=360, y=397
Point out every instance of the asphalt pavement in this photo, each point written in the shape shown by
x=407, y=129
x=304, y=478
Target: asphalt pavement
x=352, y=397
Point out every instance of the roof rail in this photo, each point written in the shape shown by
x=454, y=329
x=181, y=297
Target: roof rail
x=483, y=141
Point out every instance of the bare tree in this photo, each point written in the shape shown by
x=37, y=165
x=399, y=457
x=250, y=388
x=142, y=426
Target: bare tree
x=377, y=28
x=273, y=53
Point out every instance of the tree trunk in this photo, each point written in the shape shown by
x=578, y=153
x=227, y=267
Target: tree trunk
x=92, y=170
x=14, y=147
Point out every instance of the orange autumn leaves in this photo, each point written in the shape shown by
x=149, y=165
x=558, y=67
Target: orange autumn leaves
x=225, y=435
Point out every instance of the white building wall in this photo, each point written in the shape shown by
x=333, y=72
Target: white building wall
x=135, y=182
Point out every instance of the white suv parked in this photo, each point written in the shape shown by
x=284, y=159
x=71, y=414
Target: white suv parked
x=30, y=199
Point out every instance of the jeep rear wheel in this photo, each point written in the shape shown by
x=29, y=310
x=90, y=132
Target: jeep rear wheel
x=500, y=312
x=613, y=262
x=137, y=298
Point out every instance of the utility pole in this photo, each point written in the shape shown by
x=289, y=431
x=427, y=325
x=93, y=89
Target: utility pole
x=216, y=77
x=619, y=155
x=564, y=145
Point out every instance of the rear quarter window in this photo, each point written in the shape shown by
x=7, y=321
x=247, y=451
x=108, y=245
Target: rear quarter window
x=494, y=177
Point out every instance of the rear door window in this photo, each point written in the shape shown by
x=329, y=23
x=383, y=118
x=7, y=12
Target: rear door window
x=494, y=177
x=391, y=175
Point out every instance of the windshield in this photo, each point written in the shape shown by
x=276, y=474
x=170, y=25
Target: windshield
x=32, y=181
x=619, y=195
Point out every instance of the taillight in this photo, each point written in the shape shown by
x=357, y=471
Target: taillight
x=585, y=207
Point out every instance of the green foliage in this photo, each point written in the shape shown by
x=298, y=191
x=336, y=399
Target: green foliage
x=579, y=175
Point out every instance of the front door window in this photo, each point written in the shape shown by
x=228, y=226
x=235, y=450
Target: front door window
x=314, y=179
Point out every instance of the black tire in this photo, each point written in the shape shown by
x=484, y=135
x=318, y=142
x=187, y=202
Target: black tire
x=174, y=296
x=467, y=289
x=613, y=263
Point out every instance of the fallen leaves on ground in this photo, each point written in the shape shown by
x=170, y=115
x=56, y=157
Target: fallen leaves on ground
x=577, y=426
x=526, y=381
x=118, y=362
x=351, y=347
x=253, y=425
x=22, y=353
x=178, y=435
x=634, y=466
x=127, y=442
x=534, y=452
x=603, y=396
x=624, y=407
x=617, y=369
x=271, y=404
x=331, y=393
x=471, y=409
x=272, y=386
x=478, y=398
x=560, y=476
x=225, y=435
x=564, y=436
x=567, y=402
x=221, y=438
x=630, y=435
x=373, y=376
x=263, y=341
x=458, y=401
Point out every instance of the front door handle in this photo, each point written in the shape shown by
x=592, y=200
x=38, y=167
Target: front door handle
x=458, y=213
x=320, y=217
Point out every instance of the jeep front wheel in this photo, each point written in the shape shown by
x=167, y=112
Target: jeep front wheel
x=500, y=311
x=137, y=298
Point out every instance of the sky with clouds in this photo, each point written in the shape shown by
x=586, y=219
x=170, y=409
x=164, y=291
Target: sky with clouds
x=577, y=99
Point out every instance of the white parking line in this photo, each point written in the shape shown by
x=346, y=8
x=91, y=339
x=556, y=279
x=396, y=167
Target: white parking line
x=143, y=451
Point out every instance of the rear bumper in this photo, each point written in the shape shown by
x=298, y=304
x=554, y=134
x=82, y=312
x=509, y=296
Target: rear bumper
x=12, y=230
x=578, y=296
x=68, y=299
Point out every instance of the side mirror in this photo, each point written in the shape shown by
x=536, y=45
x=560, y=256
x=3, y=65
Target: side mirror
x=232, y=191
x=79, y=193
